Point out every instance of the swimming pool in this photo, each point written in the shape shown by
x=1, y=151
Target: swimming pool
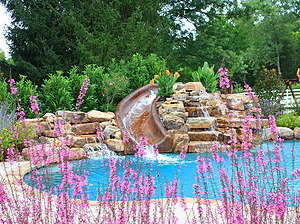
x=167, y=164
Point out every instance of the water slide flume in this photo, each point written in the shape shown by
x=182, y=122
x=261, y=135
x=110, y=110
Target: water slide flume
x=137, y=115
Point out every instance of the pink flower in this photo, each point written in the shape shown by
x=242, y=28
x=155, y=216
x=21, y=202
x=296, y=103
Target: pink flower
x=224, y=80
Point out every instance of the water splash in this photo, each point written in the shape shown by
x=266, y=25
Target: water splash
x=132, y=120
x=151, y=156
x=98, y=149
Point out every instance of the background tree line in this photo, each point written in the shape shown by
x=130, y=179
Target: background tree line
x=50, y=35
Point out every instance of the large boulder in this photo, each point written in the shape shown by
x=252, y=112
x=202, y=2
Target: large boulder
x=297, y=133
x=111, y=132
x=285, y=133
x=77, y=153
x=115, y=145
x=50, y=117
x=173, y=122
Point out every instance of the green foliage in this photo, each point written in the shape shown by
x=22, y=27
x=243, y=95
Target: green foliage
x=165, y=82
x=139, y=70
x=75, y=81
x=268, y=88
x=272, y=26
x=10, y=125
x=5, y=94
x=8, y=140
x=96, y=74
x=291, y=120
x=207, y=77
x=25, y=90
x=56, y=94
x=114, y=85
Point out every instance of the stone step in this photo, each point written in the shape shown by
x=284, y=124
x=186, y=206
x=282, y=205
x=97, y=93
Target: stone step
x=202, y=146
x=201, y=122
x=198, y=111
x=205, y=136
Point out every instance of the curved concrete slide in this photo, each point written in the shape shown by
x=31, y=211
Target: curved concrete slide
x=137, y=114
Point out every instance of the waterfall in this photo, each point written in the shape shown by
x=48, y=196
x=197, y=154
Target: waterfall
x=98, y=149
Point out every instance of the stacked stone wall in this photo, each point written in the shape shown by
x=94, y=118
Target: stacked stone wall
x=199, y=119
x=79, y=129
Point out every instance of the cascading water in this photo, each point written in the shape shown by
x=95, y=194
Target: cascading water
x=98, y=149
x=206, y=114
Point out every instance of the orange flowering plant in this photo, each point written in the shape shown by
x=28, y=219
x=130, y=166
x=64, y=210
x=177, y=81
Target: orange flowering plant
x=165, y=83
x=207, y=77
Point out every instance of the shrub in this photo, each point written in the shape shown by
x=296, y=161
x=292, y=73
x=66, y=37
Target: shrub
x=207, y=77
x=76, y=80
x=165, y=82
x=290, y=120
x=25, y=90
x=56, y=94
x=114, y=86
x=268, y=88
x=139, y=70
x=14, y=137
x=5, y=95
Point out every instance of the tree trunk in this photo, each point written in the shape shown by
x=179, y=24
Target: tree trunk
x=278, y=56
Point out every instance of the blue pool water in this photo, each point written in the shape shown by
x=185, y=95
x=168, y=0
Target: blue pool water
x=168, y=166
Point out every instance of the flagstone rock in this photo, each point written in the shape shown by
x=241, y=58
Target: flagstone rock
x=235, y=103
x=72, y=117
x=84, y=129
x=99, y=116
x=195, y=86
x=201, y=122
x=179, y=141
x=180, y=97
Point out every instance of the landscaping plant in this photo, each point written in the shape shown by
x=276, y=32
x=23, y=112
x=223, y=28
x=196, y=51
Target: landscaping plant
x=268, y=87
x=165, y=82
x=290, y=120
x=56, y=93
x=77, y=81
x=113, y=86
x=139, y=70
x=25, y=90
x=207, y=77
x=5, y=95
